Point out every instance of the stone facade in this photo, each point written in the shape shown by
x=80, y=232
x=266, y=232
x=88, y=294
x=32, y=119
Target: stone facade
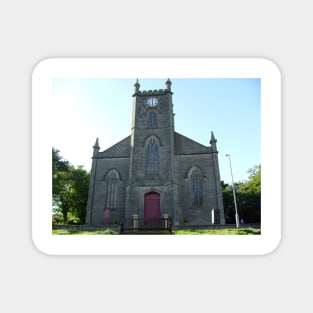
x=155, y=171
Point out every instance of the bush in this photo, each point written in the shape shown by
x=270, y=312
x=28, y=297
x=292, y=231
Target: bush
x=73, y=220
x=57, y=219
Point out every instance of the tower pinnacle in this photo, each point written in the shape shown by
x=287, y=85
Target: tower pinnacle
x=96, y=143
x=137, y=86
x=96, y=148
x=212, y=138
x=168, y=84
x=213, y=142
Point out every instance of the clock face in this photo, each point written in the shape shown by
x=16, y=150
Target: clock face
x=152, y=102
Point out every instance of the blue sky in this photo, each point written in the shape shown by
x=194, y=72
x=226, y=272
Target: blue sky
x=85, y=109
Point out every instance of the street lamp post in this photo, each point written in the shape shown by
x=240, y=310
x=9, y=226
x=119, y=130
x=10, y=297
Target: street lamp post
x=236, y=214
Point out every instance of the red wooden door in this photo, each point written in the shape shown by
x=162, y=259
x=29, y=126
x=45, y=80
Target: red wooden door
x=152, y=205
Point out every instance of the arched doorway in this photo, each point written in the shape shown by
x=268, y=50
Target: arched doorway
x=152, y=205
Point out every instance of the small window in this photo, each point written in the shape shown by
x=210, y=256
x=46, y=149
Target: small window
x=152, y=120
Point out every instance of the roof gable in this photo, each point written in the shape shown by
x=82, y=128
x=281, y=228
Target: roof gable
x=185, y=145
x=119, y=150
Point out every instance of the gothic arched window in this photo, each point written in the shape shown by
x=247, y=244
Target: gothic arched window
x=152, y=157
x=195, y=183
x=112, y=183
x=152, y=120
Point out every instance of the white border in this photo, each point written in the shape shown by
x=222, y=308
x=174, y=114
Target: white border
x=42, y=128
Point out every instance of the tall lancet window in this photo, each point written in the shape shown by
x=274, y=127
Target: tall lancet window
x=152, y=120
x=112, y=183
x=152, y=157
x=195, y=183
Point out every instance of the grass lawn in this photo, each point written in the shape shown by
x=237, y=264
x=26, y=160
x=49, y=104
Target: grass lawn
x=240, y=231
x=77, y=232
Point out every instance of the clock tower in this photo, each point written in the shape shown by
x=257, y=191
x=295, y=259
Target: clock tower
x=151, y=187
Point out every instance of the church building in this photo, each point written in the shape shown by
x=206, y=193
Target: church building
x=155, y=171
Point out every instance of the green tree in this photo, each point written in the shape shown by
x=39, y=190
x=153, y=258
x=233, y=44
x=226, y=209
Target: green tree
x=64, y=198
x=248, y=198
x=249, y=194
x=80, y=182
x=69, y=189
x=59, y=169
x=58, y=163
x=229, y=205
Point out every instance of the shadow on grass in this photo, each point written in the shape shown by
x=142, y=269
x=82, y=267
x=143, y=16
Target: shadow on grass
x=240, y=231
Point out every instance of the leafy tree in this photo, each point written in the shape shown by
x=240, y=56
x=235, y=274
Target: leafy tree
x=69, y=189
x=80, y=179
x=249, y=194
x=248, y=198
x=59, y=168
x=58, y=163
x=228, y=199
x=254, y=183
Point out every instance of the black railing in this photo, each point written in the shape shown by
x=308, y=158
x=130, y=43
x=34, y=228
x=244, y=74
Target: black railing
x=143, y=224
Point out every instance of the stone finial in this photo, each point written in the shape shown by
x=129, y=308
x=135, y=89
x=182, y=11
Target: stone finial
x=168, y=84
x=213, y=140
x=96, y=147
x=137, y=86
